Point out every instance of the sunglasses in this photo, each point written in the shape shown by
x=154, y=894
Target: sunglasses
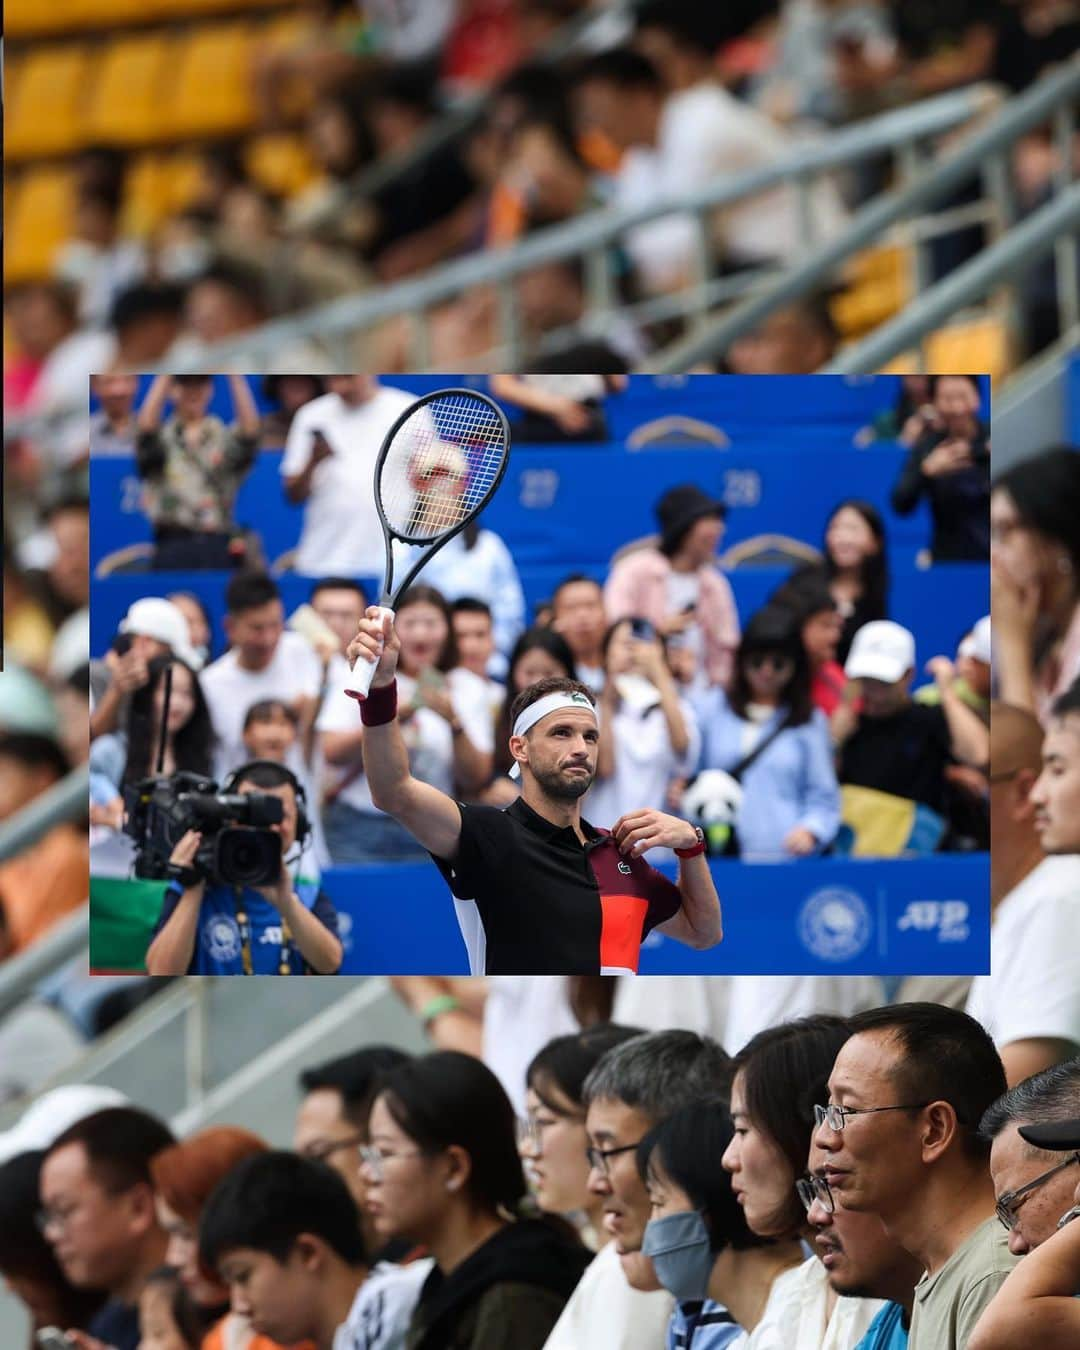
x=777, y=660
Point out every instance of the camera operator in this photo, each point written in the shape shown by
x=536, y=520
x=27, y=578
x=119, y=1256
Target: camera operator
x=284, y=928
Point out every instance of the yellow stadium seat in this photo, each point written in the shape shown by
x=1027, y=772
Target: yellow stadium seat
x=103, y=15
x=126, y=104
x=979, y=346
x=37, y=221
x=179, y=9
x=210, y=92
x=31, y=18
x=280, y=163
x=159, y=185
x=45, y=103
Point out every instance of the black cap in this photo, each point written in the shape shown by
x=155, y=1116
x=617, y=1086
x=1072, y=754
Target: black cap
x=1061, y=1135
x=679, y=508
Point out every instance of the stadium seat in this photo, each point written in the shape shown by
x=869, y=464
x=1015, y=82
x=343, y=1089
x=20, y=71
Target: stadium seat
x=159, y=184
x=182, y=9
x=769, y=550
x=45, y=102
x=31, y=18
x=210, y=92
x=980, y=344
x=132, y=558
x=126, y=105
x=280, y=163
x=677, y=431
x=37, y=221
x=879, y=282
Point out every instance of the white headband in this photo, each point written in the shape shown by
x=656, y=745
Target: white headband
x=535, y=712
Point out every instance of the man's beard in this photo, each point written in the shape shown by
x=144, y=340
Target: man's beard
x=561, y=789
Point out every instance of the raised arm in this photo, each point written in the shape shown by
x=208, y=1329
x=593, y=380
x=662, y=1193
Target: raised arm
x=171, y=951
x=247, y=414
x=1037, y=1304
x=153, y=405
x=428, y=814
x=969, y=735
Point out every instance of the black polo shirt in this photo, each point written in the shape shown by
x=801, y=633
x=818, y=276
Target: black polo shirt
x=541, y=903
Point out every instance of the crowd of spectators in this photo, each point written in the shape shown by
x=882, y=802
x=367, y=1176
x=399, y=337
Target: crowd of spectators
x=810, y=708
x=866, y=1180
x=651, y=101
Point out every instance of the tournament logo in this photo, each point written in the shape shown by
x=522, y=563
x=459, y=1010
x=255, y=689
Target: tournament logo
x=834, y=924
x=221, y=938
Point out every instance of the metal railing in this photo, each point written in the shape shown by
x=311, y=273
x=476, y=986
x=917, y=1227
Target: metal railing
x=1026, y=243
x=985, y=151
x=593, y=236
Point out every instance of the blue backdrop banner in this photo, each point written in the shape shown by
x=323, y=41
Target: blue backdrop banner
x=814, y=917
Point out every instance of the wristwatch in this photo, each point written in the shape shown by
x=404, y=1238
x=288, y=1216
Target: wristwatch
x=695, y=849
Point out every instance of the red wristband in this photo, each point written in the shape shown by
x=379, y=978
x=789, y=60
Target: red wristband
x=696, y=849
x=380, y=706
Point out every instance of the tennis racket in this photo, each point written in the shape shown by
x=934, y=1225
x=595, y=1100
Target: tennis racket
x=438, y=467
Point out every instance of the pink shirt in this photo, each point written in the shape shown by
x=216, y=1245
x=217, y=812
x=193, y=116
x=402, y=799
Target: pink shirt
x=638, y=588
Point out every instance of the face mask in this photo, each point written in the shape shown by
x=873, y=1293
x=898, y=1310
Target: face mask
x=681, y=1253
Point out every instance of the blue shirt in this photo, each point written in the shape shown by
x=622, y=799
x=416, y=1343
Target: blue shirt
x=886, y=1331
x=218, y=939
x=791, y=783
x=702, y=1326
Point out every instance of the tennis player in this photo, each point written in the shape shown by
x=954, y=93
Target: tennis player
x=539, y=891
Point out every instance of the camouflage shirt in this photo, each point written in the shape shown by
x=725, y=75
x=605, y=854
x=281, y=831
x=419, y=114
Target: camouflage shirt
x=193, y=487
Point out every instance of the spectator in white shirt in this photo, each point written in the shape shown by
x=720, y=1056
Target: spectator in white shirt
x=648, y=734
x=1030, y=1000
x=475, y=641
x=677, y=141
x=439, y=722
x=478, y=563
x=329, y=465
x=263, y=661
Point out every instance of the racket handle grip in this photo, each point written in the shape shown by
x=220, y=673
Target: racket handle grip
x=363, y=672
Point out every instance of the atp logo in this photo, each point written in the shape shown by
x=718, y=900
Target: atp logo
x=834, y=924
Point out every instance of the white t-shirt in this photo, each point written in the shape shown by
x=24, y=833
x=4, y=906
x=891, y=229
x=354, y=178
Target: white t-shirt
x=427, y=736
x=477, y=700
x=644, y=765
x=230, y=690
x=341, y=535
x=1033, y=989
x=605, y=1313
x=732, y=1009
x=707, y=134
x=795, y=1315
x=383, y=1307
x=520, y=1017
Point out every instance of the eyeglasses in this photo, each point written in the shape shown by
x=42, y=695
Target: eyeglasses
x=323, y=1148
x=598, y=1157
x=56, y=1219
x=375, y=1159
x=531, y=1129
x=810, y=1188
x=1006, y=1207
x=836, y=1116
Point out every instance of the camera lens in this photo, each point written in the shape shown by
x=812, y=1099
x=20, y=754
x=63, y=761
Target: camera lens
x=247, y=857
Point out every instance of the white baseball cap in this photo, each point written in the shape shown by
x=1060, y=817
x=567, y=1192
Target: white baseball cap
x=882, y=650
x=47, y=1119
x=156, y=618
x=980, y=641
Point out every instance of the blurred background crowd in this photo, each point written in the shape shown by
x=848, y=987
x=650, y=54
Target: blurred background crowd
x=308, y=151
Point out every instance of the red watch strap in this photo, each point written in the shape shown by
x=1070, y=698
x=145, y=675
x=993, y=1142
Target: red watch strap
x=698, y=848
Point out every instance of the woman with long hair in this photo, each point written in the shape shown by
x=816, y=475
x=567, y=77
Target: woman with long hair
x=118, y=759
x=855, y=567
x=552, y=1136
x=790, y=799
x=184, y=1177
x=779, y=1076
x=433, y=715
x=443, y=1170
x=1035, y=578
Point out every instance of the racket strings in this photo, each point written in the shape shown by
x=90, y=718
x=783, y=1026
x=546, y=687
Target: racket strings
x=442, y=464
